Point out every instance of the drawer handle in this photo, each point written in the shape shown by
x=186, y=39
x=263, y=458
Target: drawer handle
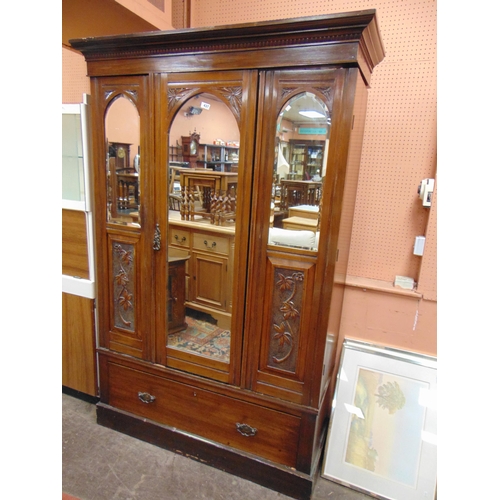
x=182, y=240
x=145, y=397
x=214, y=244
x=246, y=430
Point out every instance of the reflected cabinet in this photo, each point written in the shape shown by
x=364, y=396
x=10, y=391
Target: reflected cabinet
x=221, y=267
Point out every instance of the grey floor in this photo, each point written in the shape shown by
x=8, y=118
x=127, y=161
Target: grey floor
x=102, y=464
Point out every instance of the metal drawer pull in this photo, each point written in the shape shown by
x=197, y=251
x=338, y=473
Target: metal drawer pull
x=177, y=238
x=213, y=244
x=146, y=397
x=246, y=430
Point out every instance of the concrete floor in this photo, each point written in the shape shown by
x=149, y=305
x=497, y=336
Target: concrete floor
x=102, y=464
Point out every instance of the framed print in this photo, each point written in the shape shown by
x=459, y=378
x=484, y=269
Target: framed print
x=382, y=436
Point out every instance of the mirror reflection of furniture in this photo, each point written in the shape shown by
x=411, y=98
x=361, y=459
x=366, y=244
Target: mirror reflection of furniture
x=299, y=193
x=218, y=157
x=295, y=238
x=122, y=133
x=216, y=192
x=307, y=157
x=302, y=223
x=304, y=211
x=209, y=271
x=190, y=146
x=174, y=202
x=176, y=293
x=174, y=176
x=124, y=178
x=304, y=217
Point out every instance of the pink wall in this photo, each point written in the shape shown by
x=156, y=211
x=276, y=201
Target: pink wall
x=74, y=77
x=216, y=123
x=123, y=124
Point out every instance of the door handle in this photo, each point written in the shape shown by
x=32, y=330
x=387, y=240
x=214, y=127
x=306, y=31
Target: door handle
x=157, y=238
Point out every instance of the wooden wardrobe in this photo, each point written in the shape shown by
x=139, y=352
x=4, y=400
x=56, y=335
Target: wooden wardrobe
x=245, y=380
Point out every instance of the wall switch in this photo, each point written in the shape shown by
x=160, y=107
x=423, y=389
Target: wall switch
x=425, y=191
x=418, y=248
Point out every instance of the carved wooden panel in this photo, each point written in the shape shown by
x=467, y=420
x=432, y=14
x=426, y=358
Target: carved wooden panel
x=127, y=318
x=284, y=331
x=287, y=326
x=123, y=286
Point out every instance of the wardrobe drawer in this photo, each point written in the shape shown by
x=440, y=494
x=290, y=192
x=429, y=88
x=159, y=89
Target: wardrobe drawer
x=179, y=237
x=248, y=427
x=211, y=243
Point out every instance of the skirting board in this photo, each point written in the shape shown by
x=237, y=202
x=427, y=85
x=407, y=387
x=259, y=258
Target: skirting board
x=245, y=465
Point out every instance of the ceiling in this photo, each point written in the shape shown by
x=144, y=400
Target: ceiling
x=86, y=18
x=304, y=102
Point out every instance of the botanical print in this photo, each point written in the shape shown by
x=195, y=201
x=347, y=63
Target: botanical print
x=385, y=431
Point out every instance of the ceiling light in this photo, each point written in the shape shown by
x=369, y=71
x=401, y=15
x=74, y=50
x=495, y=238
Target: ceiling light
x=311, y=114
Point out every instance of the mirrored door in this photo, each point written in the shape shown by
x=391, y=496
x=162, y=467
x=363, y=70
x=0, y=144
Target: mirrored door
x=123, y=214
x=300, y=114
x=209, y=164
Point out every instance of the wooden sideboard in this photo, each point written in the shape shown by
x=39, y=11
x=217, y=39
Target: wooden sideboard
x=209, y=276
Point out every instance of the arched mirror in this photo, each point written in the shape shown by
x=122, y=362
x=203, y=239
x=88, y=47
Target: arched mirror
x=202, y=192
x=123, y=161
x=302, y=132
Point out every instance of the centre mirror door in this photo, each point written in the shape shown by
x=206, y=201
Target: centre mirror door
x=207, y=150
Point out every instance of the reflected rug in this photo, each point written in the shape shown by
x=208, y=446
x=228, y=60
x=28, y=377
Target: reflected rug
x=199, y=332
x=202, y=338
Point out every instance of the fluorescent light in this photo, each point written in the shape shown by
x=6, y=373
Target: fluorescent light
x=311, y=114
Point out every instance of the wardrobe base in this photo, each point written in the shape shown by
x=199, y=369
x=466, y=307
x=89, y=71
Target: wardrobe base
x=270, y=475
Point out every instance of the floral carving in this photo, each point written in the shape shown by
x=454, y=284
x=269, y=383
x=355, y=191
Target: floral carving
x=286, y=91
x=326, y=92
x=283, y=332
x=175, y=94
x=122, y=281
x=235, y=96
x=130, y=94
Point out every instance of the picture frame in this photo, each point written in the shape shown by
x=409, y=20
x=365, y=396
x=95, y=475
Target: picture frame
x=382, y=435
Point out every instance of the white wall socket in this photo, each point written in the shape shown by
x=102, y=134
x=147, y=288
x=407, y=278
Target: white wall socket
x=418, y=248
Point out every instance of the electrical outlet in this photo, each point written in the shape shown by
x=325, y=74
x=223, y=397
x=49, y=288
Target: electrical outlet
x=418, y=248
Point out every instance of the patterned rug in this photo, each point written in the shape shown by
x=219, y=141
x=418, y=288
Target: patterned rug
x=203, y=338
x=198, y=331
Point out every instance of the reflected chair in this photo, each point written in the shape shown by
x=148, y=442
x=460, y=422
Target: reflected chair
x=300, y=193
x=174, y=202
